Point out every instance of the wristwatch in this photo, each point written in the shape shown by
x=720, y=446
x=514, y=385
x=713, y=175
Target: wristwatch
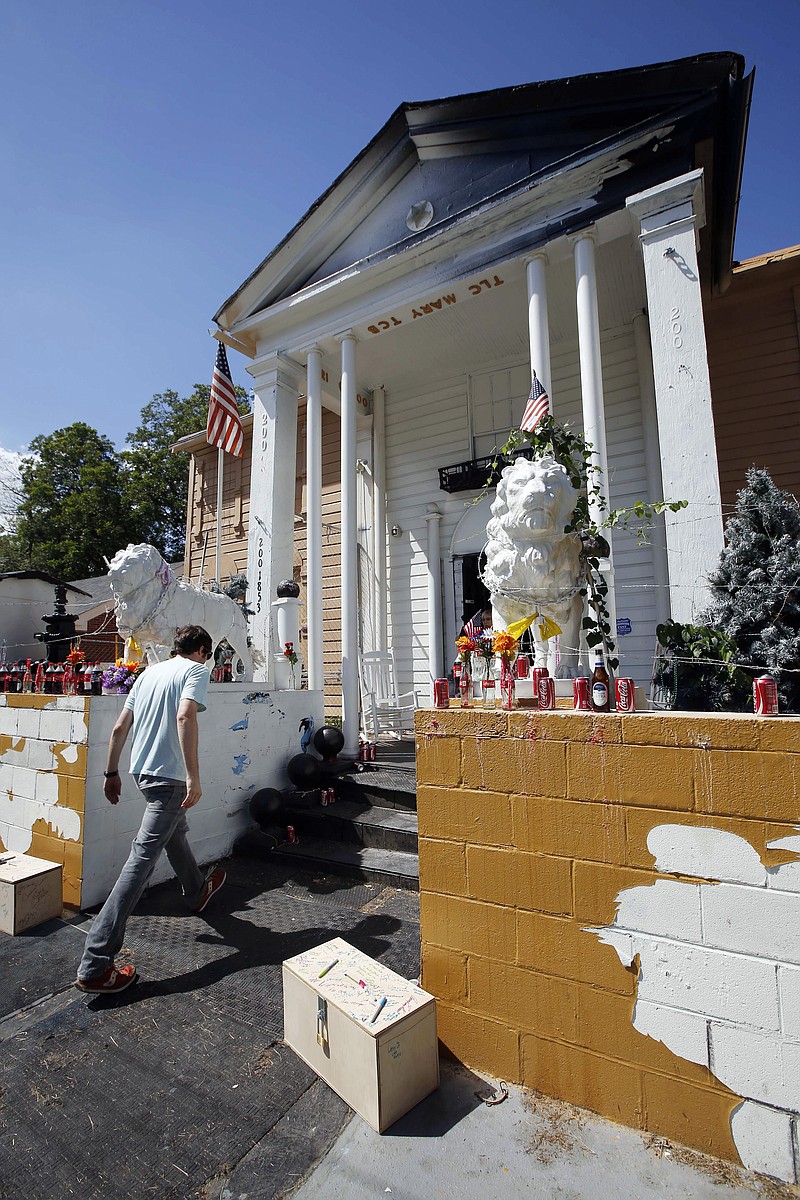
x=110, y=774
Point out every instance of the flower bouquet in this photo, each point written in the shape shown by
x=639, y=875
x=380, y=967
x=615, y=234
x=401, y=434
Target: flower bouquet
x=121, y=677
x=505, y=647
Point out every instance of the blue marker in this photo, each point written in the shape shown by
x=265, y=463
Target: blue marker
x=378, y=1011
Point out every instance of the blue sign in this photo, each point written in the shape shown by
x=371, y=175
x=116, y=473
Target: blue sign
x=624, y=626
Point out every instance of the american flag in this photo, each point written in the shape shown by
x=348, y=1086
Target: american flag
x=538, y=406
x=224, y=428
x=474, y=626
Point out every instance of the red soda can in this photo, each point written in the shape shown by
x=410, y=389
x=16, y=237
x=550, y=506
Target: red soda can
x=765, y=696
x=362, y=752
x=523, y=666
x=580, y=693
x=546, y=691
x=441, y=693
x=291, y=836
x=371, y=748
x=624, y=695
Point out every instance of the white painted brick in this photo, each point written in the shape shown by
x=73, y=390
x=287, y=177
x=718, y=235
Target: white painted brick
x=46, y=786
x=785, y=878
x=756, y=1066
x=763, y=1137
x=789, y=993
x=55, y=726
x=79, y=729
x=17, y=754
x=40, y=755
x=6, y=777
x=662, y=908
x=712, y=983
x=709, y=853
x=9, y=722
x=752, y=920
x=684, y=1033
x=28, y=722
x=24, y=783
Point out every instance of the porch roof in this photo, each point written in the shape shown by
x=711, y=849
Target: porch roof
x=549, y=123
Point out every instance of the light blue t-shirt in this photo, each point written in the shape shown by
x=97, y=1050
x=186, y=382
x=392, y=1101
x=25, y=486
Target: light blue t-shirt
x=154, y=700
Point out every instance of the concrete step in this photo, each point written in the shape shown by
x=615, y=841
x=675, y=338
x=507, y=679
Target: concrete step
x=392, y=867
x=357, y=822
x=386, y=786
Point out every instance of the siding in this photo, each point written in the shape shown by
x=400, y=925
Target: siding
x=754, y=361
x=426, y=430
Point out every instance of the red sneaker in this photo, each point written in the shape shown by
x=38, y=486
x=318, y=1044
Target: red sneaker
x=212, y=885
x=114, y=980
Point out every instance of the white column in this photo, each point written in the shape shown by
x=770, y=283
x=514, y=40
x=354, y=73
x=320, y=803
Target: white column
x=594, y=420
x=379, y=515
x=667, y=219
x=652, y=463
x=270, y=549
x=433, y=516
x=349, y=549
x=314, y=518
x=538, y=324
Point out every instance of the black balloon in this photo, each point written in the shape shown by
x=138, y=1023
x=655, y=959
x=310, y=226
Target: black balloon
x=328, y=741
x=266, y=806
x=303, y=771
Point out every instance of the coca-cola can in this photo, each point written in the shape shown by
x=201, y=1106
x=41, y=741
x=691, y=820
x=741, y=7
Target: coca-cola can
x=624, y=695
x=580, y=693
x=765, y=696
x=546, y=691
x=441, y=693
x=523, y=666
x=371, y=749
x=291, y=836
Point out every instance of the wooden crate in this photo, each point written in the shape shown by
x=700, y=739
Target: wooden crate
x=382, y=1060
x=30, y=892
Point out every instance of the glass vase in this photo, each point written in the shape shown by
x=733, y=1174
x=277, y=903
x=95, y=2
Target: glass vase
x=508, y=697
x=465, y=685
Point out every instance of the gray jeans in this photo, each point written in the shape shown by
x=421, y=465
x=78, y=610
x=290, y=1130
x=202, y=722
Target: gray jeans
x=164, y=827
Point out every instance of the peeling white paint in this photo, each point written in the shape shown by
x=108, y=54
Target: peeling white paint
x=719, y=977
x=29, y=793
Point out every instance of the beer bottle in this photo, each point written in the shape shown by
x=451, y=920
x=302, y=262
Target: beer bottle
x=601, y=701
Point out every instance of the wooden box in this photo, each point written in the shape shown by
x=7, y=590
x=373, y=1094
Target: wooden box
x=30, y=892
x=369, y=1033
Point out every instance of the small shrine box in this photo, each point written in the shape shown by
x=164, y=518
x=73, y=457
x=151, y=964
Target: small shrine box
x=30, y=892
x=369, y=1033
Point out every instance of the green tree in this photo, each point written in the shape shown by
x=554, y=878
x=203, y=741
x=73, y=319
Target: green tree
x=156, y=480
x=72, y=510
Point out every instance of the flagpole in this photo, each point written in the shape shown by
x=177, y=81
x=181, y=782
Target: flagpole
x=220, y=455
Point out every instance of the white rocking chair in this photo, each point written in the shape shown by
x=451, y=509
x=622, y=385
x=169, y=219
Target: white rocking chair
x=383, y=710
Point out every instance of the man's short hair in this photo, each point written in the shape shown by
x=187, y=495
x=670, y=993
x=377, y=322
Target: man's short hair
x=191, y=638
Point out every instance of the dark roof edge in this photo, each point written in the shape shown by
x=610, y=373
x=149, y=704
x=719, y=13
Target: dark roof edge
x=45, y=578
x=735, y=69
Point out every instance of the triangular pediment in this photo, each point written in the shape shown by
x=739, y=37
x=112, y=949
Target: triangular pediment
x=436, y=163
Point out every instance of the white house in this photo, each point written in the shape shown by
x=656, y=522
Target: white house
x=576, y=226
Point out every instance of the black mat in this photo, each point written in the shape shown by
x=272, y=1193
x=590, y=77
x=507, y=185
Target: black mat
x=181, y=1083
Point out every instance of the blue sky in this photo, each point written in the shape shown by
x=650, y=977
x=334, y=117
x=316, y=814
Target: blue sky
x=155, y=152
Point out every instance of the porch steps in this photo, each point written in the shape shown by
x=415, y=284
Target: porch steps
x=368, y=832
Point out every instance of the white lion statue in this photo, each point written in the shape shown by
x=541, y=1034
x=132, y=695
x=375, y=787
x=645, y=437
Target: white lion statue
x=531, y=564
x=150, y=604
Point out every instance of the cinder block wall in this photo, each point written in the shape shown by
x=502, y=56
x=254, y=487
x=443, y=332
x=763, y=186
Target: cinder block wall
x=532, y=825
x=52, y=758
x=43, y=747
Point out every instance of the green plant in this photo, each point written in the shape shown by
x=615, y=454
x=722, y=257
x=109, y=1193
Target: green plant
x=698, y=671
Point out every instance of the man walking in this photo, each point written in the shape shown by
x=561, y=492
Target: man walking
x=162, y=710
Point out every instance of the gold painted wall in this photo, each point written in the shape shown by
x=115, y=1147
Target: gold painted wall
x=530, y=825
x=43, y=753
